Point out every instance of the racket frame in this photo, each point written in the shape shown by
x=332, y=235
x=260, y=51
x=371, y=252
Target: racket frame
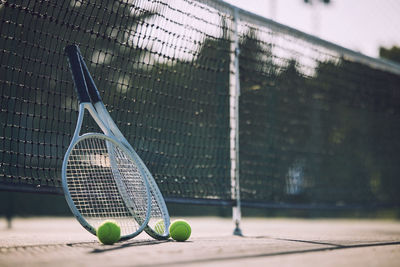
x=100, y=108
x=85, y=103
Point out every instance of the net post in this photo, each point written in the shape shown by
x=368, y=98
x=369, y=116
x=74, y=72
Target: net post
x=234, y=93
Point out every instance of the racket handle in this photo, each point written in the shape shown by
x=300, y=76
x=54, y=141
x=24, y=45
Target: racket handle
x=92, y=89
x=73, y=54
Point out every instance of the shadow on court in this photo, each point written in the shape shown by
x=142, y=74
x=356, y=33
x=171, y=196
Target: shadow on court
x=129, y=244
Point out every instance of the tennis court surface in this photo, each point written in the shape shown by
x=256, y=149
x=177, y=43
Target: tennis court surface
x=266, y=242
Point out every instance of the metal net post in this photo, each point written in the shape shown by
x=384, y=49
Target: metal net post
x=234, y=126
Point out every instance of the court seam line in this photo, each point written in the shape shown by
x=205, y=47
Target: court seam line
x=272, y=254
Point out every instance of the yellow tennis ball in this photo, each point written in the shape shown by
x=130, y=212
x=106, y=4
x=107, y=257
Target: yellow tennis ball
x=159, y=227
x=108, y=232
x=180, y=230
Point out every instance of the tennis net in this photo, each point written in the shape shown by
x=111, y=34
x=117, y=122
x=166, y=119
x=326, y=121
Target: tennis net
x=318, y=124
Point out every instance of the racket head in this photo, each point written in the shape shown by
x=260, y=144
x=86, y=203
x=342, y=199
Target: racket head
x=159, y=210
x=102, y=181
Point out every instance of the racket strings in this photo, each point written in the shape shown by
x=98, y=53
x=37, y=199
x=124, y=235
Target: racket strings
x=105, y=183
x=130, y=182
x=156, y=213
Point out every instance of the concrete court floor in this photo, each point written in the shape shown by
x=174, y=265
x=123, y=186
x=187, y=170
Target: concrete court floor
x=266, y=242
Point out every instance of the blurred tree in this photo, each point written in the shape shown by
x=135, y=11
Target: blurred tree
x=359, y=132
x=297, y=127
x=256, y=118
x=187, y=127
x=311, y=1
x=316, y=13
x=36, y=70
x=390, y=53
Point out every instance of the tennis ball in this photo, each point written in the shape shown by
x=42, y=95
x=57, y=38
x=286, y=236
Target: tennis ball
x=159, y=227
x=108, y=232
x=180, y=230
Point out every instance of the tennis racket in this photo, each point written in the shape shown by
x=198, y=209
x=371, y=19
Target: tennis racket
x=101, y=178
x=159, y=212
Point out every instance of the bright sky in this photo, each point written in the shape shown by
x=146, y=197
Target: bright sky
x=361, y=25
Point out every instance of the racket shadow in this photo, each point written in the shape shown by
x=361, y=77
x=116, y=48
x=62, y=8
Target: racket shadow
x=128, y=244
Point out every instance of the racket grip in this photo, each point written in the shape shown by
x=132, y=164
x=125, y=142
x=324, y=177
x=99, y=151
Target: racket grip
x=91, y=86
x=73, y=54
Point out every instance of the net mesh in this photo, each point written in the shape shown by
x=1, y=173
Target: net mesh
x=315, y=126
